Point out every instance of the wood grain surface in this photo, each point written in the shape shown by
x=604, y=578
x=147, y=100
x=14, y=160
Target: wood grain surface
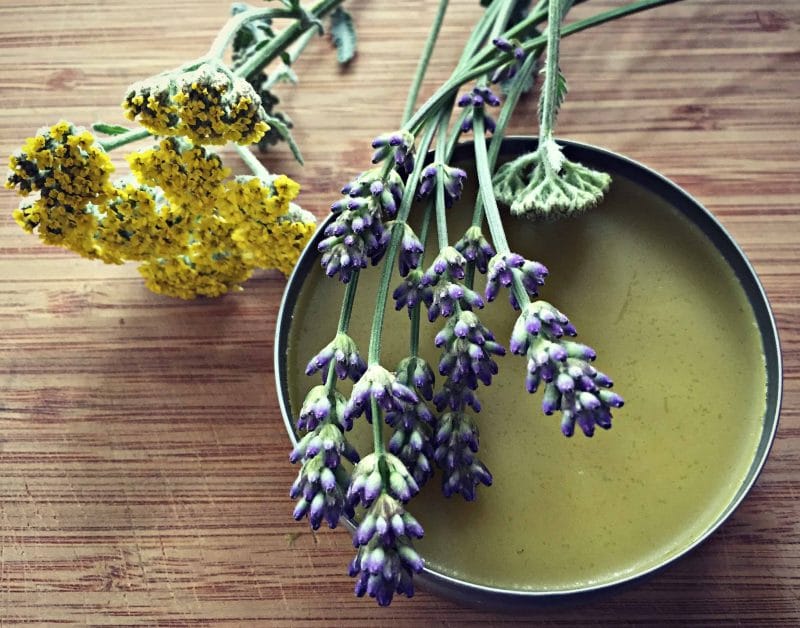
x=143, y=462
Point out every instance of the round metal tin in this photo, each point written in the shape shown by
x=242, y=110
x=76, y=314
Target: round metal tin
x=510, y=599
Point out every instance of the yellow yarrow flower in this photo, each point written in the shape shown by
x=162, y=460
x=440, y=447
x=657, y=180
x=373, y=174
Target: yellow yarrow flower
x=206, y=105
x=189, y=175
x=136, y=226
x=60, y=228
x=150, y=103
x=189, y=276
x=65, y=165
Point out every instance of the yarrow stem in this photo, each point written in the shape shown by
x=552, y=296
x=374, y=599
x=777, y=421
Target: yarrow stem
x=252, y=162
x=122, y=139
x=282, y=41
x=231, y=28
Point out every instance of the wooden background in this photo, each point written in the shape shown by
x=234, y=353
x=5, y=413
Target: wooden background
x=143, y=462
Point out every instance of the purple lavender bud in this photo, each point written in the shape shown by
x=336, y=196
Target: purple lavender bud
x=588, y=401
x=577, y=350
x=565, y=383
x=551, y=400
x=503, y=44
x=411, y=251
x=611, y=398
x=489, y=96
x=375, y=560
x=453, y=184
x=603, y=380
x=412, y=526
x=490, y=124
x=327, y=480
x=399, y=488
x=410, y=558
x=339, y=205
x=567, y=423
x=380, y=154
x=464, y=100
x=300, y=509
x=586, y=424
x=466, y=124
x=602, y=417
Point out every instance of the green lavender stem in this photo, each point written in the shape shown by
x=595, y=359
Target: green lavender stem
x=424, y=60
x=391, y=251
x=459, y=77
x=493, y=218
x=512, y=97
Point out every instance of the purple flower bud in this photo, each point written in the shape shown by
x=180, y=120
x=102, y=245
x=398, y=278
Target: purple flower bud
x=503, y=44
x=410, y=253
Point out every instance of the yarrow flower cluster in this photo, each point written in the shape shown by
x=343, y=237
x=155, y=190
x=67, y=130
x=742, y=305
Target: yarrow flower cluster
x=195, y=229
x=207, y=105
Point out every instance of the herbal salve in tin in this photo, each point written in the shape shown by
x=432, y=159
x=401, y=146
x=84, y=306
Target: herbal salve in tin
x=671, y=325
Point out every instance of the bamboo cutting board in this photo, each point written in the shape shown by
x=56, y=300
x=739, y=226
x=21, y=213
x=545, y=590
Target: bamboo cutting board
x=143, y=463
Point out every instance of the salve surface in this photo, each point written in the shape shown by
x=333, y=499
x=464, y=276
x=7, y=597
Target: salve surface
x=672, y=327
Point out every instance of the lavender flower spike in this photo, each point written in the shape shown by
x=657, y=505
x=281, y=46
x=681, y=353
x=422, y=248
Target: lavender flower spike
x=502, y=270
x=342, y=350
x=475, y=248
x=367, y=482
x=320, y=487
x=386, y=561
x=410, y=252
x=379, y=385
x=572, y=385
x=449, y=263
x=456, y=443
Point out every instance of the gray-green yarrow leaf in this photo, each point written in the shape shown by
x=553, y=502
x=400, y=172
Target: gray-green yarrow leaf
x=110, y=129
x=285, y=133
x=343, y=35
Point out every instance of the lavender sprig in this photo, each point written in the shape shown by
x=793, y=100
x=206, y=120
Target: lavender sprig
x=386, y=559
x=504, y=267
x=572, y=385
x=475, y=248
x=321, y=484
x=385, y=562
x=456, y=443
x=343, y=354
x=412, y=441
